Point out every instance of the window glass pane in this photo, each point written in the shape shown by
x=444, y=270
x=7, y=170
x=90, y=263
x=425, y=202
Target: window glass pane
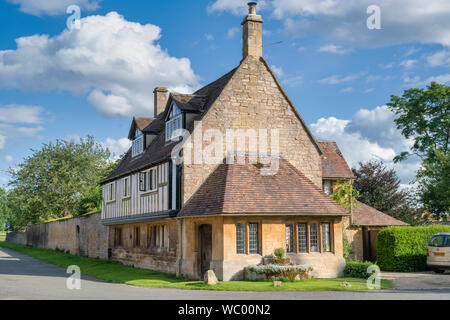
x=289, y=238
x=302, y=238
x=326, y=186
x=240, y=238
x=162, y=236
x=314, y=237
x=326, y=243
x=253, y=237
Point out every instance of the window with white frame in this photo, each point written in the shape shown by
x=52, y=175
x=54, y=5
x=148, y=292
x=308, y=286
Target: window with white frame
x=174, y=122
x=111, y=191
x=126, y=187
x=138, y=143
x=148, y=181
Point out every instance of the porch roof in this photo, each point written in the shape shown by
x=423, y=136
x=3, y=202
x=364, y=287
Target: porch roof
x=365, y=215
x=243, y=189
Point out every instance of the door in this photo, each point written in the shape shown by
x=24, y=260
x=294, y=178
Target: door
x=205, y=235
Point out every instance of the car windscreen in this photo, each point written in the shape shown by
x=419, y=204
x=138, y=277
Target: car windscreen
x=440, y=241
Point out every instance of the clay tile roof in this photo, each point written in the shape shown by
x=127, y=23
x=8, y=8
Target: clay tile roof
x=242, y=189
x=333, y=162
x=365, y=215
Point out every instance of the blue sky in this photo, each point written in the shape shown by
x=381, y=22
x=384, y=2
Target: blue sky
x=60, y=83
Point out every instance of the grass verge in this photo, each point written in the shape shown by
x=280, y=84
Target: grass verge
x=112, y=271
x=2, y=235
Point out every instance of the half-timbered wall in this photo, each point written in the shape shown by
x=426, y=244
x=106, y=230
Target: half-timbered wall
x=135, y=202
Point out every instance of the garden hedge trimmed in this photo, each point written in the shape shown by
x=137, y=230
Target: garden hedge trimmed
x=404, y=249
x=357, y=269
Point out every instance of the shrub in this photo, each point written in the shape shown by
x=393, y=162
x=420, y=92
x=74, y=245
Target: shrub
x=275, y=271
x=404, y=249
x=357, y=269
x=279, y=253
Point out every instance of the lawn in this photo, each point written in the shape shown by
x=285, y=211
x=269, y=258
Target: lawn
x=2, y=235
x=116, y=272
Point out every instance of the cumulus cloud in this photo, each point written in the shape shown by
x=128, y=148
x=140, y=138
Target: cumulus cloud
x=402, y=21
x=117, y=147
x=115, y=62
x=14, y=113
x=440, y=58
x=232, y=32
x=53, y=7
x=369, y=134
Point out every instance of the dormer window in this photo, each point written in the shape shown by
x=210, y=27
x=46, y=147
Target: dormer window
x=174, y=121
x=138, y=143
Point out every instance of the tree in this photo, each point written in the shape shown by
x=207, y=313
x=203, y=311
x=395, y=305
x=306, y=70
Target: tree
x=379, y=187
x=3, y=209
x=423, y=115
x=50, y=183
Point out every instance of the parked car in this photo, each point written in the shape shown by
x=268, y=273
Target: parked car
x=438, y=252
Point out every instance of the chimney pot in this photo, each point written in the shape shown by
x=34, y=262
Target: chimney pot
x=252, y=33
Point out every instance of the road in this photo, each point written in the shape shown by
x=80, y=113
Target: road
x=23, y=277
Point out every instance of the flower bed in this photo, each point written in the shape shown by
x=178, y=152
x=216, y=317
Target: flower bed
x=276, y=272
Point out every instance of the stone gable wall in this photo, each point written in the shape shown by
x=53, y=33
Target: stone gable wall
x=252, y=99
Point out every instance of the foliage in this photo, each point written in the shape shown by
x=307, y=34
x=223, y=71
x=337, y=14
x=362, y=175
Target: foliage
x=345, y=194
x=276, y=271
x=423, y=115
x=279, y=253
x=379, y=188
x=61, y=179
x=347, y=247
x=357, y=269
x=4, y=210
x=434, y=185
x=404, y=249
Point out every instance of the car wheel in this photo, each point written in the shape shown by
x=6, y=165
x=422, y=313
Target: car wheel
x=439, y=271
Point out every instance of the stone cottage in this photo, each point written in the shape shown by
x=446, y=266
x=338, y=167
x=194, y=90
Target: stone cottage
x=189, y=216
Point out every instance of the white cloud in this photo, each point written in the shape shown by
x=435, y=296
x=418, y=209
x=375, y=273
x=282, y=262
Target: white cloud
x=14, y=113
x=278, y=71
x=402, y=21
x=9, y=158
x=411, y=51
x=347, y=90
x=116, y=63
x=416, y=80
x=439, y=58
x=2, y=141
x=53, y=7
x=408, y=63
x=336, y=79
x=117, y=147
x=386, y=66
x=292, y=81
x=369, y=134
x=209, y=37
x=232, y=32
x=368, y=90
x=331, y=48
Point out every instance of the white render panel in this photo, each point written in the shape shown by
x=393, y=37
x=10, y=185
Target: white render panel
x=138, y=202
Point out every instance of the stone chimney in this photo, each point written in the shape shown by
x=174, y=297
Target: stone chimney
x=252, y=33
x=160, y=95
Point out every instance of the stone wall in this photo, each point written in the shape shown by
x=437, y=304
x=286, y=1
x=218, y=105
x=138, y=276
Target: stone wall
x=252, y=99
x=84, y=236
x=143, y=254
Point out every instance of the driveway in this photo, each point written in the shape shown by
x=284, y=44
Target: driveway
x=418, y=280
x=23, y=277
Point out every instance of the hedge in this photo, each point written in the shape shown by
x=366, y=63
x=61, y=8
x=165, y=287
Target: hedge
x=404, y=249
x=275, y=271
x=357, y=269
